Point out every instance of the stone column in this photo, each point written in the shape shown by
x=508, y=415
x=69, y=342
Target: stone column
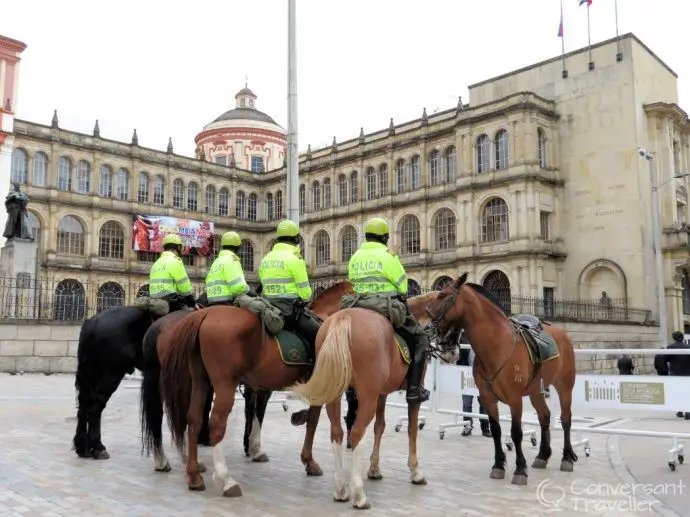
x=515, y=212
x=19, y=269
x=461, y=229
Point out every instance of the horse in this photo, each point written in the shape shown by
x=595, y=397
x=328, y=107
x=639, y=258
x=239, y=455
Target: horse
x=358, y=348
x=514, y=358
x=224, y=346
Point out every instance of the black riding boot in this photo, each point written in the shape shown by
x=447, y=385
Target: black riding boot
x=307, y=326
x=415, y=394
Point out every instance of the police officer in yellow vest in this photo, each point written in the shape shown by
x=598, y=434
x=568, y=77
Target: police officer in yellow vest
x=225, y=280
x=374, y=271
x=168, y=278
x=285, y=282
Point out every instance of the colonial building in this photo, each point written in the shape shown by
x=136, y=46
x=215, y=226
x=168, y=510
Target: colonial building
x=535, y=187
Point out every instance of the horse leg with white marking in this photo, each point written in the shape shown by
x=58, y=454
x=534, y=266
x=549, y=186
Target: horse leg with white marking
x=365, y=414
x=333, y=411
x=416, y=475
x=221, y=412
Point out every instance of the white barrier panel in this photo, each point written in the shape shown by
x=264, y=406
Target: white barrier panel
x=626, y=392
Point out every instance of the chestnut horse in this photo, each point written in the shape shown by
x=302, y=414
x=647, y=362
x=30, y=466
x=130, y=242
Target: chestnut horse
x=357, y=347
x=504, y=371
x=221, y=347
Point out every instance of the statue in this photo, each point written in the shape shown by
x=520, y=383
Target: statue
x=17, y=218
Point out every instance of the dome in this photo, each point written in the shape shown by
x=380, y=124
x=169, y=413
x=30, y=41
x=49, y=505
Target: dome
x=245, y=114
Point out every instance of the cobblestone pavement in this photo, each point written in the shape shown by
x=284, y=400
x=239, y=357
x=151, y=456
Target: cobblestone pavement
x=41, y=476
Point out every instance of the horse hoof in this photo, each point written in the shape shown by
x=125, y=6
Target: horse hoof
x=100, y=455
x=341, y=496
x=313, y=469
x=539, y=463
x=566, y=466
x=299, y=417
x=497, y=474
x=197, y=485
x=201, y=468
x=164, y=468
x=233, y=491
x=364, y=505
x=519, y=479
x=375, y=475
x=84, y=454
x=419, y=481
x=261, y=458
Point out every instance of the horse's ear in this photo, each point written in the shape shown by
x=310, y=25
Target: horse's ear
x=460, y=281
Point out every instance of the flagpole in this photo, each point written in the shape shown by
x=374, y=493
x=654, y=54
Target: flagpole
x=619, y=54
x=589, y=38
x=562, y=38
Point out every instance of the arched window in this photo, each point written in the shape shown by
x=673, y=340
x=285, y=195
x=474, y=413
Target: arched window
x=178, y=194
x=20, y=166
x=192, y=196
x=279, y=204
x=451, y=159
x=143, y=188
x=372, y=183
x=252, y=202
x=383, y=180
x=348, y=243
x=64, y=177
x=210, y=200
x=441, y=283
x=105, y=181
x=323, y=248
x=494, y=221
x=435, y=174
x=316, y=195
x=354, y=188
x=402, y=180
x=122, y=184
x=541, y=147
x=483, y=153
x=70, y=236
x=501, y=149
x=111, y=241
x=83, y=177
x=410, y=235
x=497, y=283
x=223, y=202
x=246, y=254
x=415, y=172
x=215, y=249
x=70, y=301
x=34, y=226
x=40, y=173
x=342, y=190
x=110, y=295
x=240, y=205
x=269, y=207
x=302, y=199
x=159, y=191
x=413, y=288
x=327, y=193
x=444, y=230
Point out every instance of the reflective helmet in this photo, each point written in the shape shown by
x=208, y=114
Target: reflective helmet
x=376, y=226
x=171, y=238
x=287, y=228
x=230, y=239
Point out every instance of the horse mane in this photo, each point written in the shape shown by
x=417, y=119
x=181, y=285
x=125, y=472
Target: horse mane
x=330, y=288
x=483, y=291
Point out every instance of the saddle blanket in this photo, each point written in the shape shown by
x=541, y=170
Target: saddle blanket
x=404, y=349
x=541, y=347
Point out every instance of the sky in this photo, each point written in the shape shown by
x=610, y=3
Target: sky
x=167, y=68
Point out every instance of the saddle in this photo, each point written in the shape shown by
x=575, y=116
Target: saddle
x=540, y=346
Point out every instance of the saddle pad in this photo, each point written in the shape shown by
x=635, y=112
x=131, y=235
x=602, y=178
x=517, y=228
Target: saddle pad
x=404, y=349
x=541, y=347
x=294, y=351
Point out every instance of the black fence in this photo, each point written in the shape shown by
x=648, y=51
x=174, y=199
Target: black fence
x=71, y=300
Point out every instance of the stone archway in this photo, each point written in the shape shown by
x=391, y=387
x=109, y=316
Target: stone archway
x=442, y=282
x=498, y=284
x=602, y=276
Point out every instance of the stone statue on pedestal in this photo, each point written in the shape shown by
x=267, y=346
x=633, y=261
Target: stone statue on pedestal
x=17, y=218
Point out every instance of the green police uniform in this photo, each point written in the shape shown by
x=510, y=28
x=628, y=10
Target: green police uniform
x=168, y=278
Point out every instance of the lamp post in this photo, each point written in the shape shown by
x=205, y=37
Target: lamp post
x=293, y=151
x=656, y=229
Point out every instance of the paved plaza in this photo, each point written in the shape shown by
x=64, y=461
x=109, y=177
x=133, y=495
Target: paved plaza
x=41, y=476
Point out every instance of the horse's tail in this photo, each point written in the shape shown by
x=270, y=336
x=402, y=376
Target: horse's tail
x=150, y=401
x=176, y=379
x=333, y=369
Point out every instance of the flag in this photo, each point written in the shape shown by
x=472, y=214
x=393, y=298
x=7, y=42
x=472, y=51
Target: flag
x=560, y=27
x=588, y=2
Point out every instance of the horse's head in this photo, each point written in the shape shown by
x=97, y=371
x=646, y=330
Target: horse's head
x=327, y=301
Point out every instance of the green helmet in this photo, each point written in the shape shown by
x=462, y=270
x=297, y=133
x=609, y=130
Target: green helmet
x=171, y=238
x=287, y=228
x=376, y=226
x=230, y=239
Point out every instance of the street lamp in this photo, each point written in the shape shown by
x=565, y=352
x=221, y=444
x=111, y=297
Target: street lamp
x=292, y=151
x=656, y=229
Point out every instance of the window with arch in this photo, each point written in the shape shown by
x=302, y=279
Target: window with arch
x=451, y=159
x=40, y=171
x=110, y=294
x=372, y=183
x=483, y=153
x=215, y=249
x=442, y=282
x=70, y=236
x=143, y=188
x=383, y=180
x=192, y=196
x=210, y=204
x=444, y=230
x=302, y=199
x=354, y=187
x=498, y=284
x=342, y=190
x=83, y=177
x=34, y=226
x=413, y=288
x=105, y=181
x=122, y=184
x=410, y=235
x=252, y=207
x=501, y=143
x=348, y=243
x=269, y=207
x=401, y=180
x=316, y=195
x=20, y=166
x=494, y=221
x=111, y=241
x=240, y=205
x=223, y=202
x=436, y=175
x=69, y=302
x=323, y=248
x=64, y=177
x=416, y=179
x=327, y=193
x=279, y=204
x=246, y=254
x=178, y=194
x=159, y=191
x=541, y=147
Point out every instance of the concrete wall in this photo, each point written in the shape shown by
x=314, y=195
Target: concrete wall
x=27, y=347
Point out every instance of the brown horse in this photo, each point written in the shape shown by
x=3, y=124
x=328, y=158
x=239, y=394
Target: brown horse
x=505, y=370
x=357, y=347
x=226, y=346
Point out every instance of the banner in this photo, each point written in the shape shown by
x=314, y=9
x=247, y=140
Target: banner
x=148, y=233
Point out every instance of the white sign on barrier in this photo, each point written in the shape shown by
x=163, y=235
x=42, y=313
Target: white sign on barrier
x=646, y=392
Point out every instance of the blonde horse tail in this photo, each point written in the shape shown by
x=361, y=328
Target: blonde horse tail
x=333, y=369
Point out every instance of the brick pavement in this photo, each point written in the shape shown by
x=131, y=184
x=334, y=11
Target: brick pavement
x=40, y=476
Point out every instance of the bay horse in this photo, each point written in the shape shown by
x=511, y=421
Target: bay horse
x=220, y=347
x=508, y=367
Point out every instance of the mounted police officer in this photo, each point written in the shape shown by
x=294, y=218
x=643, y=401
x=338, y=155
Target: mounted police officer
x=285, y=282
x=375, y=272
x=225, y=280
x=168, y=278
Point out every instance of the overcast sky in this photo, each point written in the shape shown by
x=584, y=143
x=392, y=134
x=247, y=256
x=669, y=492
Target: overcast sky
x=167, y=68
